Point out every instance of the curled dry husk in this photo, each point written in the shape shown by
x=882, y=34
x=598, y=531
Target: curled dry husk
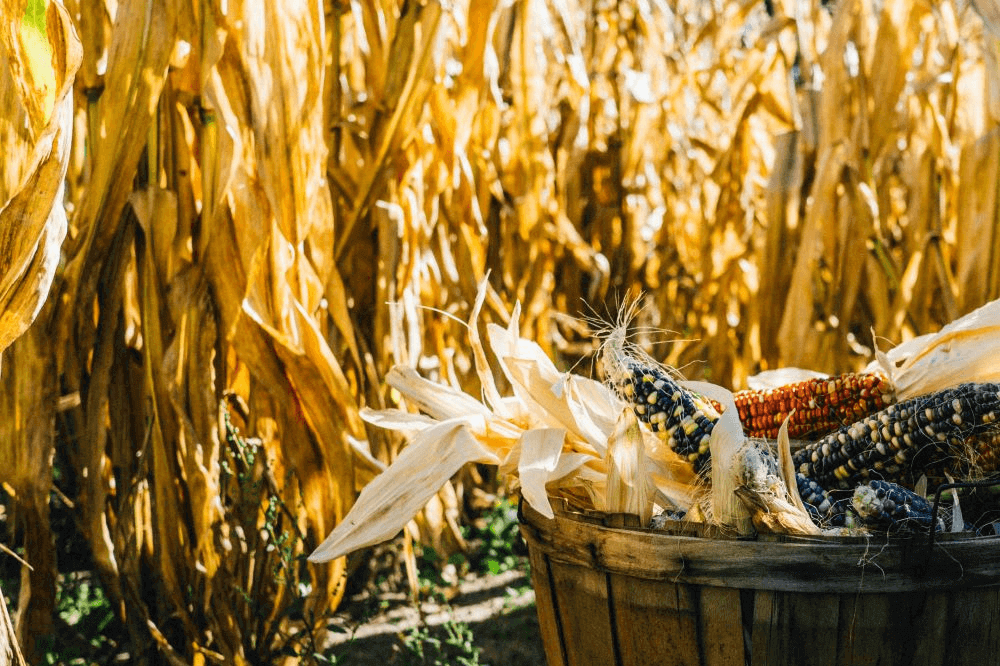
x=558, y=434
x=966, y=350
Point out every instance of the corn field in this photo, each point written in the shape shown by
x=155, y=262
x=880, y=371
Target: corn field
x=224, y=222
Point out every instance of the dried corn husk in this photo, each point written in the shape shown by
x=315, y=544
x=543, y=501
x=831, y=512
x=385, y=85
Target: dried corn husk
x=966, y=350
x=36, y=140
x=36, y=132
x=773, y=499
x=395, y=496
x=727, y=444
x=628, y=489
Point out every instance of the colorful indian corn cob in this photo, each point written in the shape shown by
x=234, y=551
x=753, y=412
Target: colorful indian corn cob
x=889, y=507
x=903, y=439
x=681, y=418
x=823, y=509
x=820, y=405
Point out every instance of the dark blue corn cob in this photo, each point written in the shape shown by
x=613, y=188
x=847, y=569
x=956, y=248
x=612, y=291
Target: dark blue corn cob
x=903, y=439
x=823, y=509
x=682, y=419
x=885, y=506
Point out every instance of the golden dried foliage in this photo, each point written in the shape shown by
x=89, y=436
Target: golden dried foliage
x=260, y=202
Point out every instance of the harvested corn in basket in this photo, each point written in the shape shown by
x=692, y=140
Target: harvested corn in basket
x=647, y=443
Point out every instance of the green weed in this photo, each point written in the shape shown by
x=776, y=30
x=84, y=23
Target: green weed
x=451, y=644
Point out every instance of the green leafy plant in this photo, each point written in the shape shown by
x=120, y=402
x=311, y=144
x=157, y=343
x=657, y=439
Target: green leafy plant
x=34, y=15
x=87, y=623
x=451, y=644
x=498, y=540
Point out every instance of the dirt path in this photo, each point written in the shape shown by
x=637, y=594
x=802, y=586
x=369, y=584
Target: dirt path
x=499, y=610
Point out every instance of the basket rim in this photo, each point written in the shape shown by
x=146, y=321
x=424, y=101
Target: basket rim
x=821, y=564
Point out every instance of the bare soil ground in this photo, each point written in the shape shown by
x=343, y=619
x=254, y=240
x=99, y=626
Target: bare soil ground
x=499, y=610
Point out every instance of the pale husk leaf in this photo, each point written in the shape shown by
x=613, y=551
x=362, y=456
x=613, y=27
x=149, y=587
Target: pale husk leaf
x=726, y=444
x=966, y=350
x=541, y=449
x=628, y=485
x=387, y=503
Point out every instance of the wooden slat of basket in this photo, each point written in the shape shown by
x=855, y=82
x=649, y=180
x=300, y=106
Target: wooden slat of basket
x=721, y=627
x=769, y=631
x=584, y=614
x=655, y=621
x=930, y=613
x=977, y=613
x=862, y=637
x=545, y=605
x=813, y=620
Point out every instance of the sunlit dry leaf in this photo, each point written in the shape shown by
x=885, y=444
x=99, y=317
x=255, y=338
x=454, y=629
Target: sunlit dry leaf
x=391, y=499
x=963, y=351
x=977, y=203
x=36, y=96
x=438, y=401
x=32, y=219
x=628, y=483
x=29, y=73
x=397, y=419
x=540, y=454
x=989, y=11
x=136, y=74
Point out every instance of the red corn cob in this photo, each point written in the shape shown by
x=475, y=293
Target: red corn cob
x=821, y=405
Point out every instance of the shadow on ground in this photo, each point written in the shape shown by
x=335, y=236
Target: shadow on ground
x=499, y=611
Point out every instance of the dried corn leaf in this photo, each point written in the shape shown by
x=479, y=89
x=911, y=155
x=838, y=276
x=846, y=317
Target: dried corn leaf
x=32, y=219
x=389, y=502
x=28, y=73
x=549, y=403
x=963, y=351
x=438, y=402
x=550, y=395
x=137, y=69
x=36, y=98
x=397, y=419
x=628, y=484
x=540, y=452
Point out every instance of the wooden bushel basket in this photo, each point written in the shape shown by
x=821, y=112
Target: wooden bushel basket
x=610, y=594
